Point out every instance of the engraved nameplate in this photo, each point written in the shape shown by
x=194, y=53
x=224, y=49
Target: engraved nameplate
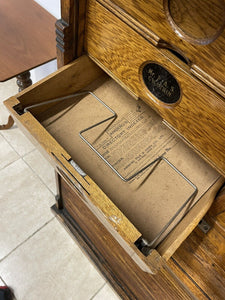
x=161, y=83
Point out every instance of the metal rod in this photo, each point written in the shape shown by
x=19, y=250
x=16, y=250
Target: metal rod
x=26, y=109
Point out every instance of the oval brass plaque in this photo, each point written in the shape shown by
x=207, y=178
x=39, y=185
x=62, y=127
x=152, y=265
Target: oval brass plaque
x=161, y=83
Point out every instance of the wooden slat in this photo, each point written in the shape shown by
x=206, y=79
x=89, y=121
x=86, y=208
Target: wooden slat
x=65, y=33
x=199, y=263
x=201, y=258
x=217, y=213
x=187, y=280
x=65, y=81
x=70, y=31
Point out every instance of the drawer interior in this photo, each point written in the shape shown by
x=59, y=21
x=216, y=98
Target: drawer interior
x=138, y=210
x=129, y=142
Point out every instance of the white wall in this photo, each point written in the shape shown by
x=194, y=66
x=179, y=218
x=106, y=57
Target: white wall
x=53, y=7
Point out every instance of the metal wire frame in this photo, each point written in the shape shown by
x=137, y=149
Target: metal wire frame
x=158, y=159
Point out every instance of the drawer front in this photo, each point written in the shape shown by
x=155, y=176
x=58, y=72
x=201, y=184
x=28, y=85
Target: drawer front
x=199, y=115
x=194, y=28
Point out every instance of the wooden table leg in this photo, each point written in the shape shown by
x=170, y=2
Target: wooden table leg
x=8, y=125
x=23, y=81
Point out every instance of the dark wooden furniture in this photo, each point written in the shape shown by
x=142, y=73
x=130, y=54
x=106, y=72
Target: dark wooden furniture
x=27, y=40
x=107, y=47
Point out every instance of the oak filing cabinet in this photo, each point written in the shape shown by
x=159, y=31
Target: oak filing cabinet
x=134, y=124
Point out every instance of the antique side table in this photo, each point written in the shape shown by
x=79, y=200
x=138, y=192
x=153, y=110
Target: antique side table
x=27, y=40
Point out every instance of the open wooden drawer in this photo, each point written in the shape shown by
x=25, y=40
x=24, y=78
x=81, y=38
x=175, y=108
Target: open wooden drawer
x=134, y=211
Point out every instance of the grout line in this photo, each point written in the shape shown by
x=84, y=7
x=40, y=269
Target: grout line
x=98, y=291
x=10, y=164
x=38, y=174
x=7, y=140
x=21, y=156
x=33, y=171
x=13, y=150
x=27, y=164
x=3, y=281
x=46, y=223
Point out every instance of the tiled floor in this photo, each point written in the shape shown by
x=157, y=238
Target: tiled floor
x=38, y=258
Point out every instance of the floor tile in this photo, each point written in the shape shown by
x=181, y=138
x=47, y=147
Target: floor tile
x=24, y=205
x=17, y=140
x=42, y=168
x=50, y=266
x=7, y=89
x=7, y=154
x=106, y=293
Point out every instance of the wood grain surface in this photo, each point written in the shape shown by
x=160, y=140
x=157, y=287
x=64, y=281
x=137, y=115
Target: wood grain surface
x=27, y=37
x=70, y=31
x=66, y=40
x=65, y=81
x=200, y=115
x=207, y=61
x=201, y=258
x=196, y=21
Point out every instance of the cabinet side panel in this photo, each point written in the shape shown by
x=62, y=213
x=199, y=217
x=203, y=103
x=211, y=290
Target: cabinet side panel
x=70, y=31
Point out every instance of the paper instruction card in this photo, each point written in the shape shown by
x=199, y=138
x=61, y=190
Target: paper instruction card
x=135, y=138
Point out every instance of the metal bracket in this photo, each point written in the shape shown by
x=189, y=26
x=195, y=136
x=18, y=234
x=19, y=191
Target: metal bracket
x=204, y=226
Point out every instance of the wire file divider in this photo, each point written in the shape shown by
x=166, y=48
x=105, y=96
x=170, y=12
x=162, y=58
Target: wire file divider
x=146, y=244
